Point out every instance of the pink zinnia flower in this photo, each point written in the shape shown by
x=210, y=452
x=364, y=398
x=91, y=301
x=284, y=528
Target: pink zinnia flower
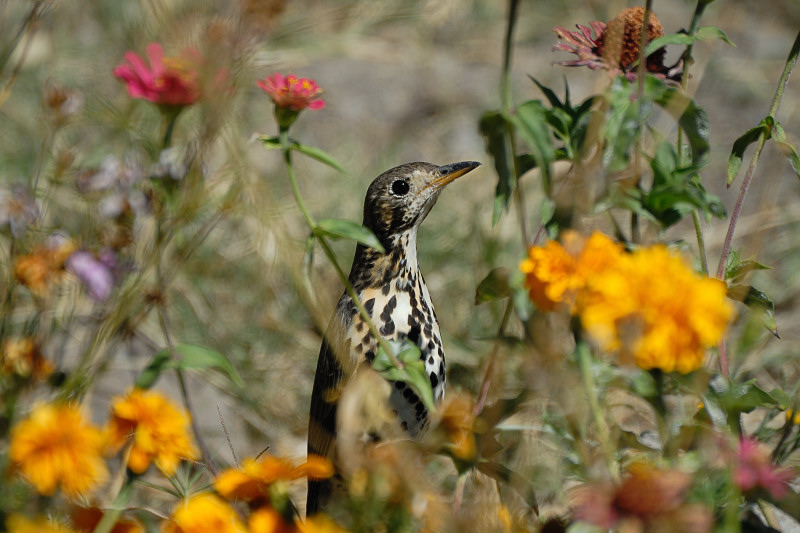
x=292, y=92
x=754, y=469
x=167, y=81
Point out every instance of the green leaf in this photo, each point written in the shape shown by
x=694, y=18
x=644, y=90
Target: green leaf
x=549, y=94
x=739, y=146
x=692, y=119
x=757, y=301
x=495, y=129
x=346, y=229
x=705, y=33
x=413, y=372
x=736, y=269
x=787, y=148
x=320, y=155
x=192, y=357
x=530, y=121
x=493, y=287
x=271, y=143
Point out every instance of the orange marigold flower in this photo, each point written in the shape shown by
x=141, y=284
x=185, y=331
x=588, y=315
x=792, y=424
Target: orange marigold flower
x=555, y=273
x=56, y=446
x=320, y=523
x=85, y=519
x=653, y=307
x=268, y=520
x=16, y=523
x=251, y=481
x=158, y=431
x=21, y=356
x=202, y=513
x=458, y=421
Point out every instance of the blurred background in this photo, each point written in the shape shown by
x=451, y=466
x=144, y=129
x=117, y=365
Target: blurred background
x=404, y=80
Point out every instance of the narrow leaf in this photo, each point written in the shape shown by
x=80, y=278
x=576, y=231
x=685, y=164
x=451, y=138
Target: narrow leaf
x=192, y=357
x=495, y=130
x=346, y=229
x=739, y=146
x=493, y=287
x=270, y=143
x=320, y=155
x=712, y=32
x=530, y=121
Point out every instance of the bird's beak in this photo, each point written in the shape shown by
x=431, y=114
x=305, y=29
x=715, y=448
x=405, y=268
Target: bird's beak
x=448, y=173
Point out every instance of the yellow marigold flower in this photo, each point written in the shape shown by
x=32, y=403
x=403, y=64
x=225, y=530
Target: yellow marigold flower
x=793, y=417
x=457, y=421
x=157, y=429
x=56, y=446
x=555, y=273
x=320, y=523
x=203, y=513
x=268, y=520
x=21, y=356
x=653, y=307
x=251, y=481
x=19, y=524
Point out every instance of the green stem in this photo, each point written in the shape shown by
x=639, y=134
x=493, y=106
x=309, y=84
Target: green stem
x=687, y=62
x=701, y=243
x=162, y=315
x=603, y=431
x=286, y=145
x=726, y=246
x=111, y=515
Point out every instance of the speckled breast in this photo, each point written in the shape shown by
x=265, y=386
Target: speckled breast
x=402, y=309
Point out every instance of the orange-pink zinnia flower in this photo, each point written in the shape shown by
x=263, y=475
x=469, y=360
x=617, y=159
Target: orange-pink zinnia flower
x=292, y=92
x=167, y=81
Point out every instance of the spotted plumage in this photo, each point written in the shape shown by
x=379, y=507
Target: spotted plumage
x=394, y=294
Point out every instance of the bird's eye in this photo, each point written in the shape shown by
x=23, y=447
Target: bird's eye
x=400, y=187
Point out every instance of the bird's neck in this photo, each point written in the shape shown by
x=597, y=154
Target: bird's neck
x=373, y=269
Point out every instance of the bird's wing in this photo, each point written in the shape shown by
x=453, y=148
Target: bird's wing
x=334, y=367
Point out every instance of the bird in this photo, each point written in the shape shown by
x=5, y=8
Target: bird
x=392, y=291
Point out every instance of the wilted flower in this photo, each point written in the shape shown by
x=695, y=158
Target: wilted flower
x=753, y=468
x=167, y=81
x=647, y=499
x=39, y=269
x=96, y=273
x=616, y=46
x=252, y=480
x=61, y=103
x=156, y=429
x=18, y=209
x=204, y=512
x=21, y=356
x=55, y=446
x=85, y=520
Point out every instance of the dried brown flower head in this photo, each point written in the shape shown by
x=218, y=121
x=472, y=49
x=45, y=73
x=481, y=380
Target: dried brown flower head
x=620, y=43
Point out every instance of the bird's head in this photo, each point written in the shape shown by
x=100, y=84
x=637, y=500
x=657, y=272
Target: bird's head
x=399, y=199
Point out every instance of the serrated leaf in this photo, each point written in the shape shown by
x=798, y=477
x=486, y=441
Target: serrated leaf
x=739, y=146
x=736, y=269
x=346, y=229
x=192, y=357
x=493, y=287
x=759, y=300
